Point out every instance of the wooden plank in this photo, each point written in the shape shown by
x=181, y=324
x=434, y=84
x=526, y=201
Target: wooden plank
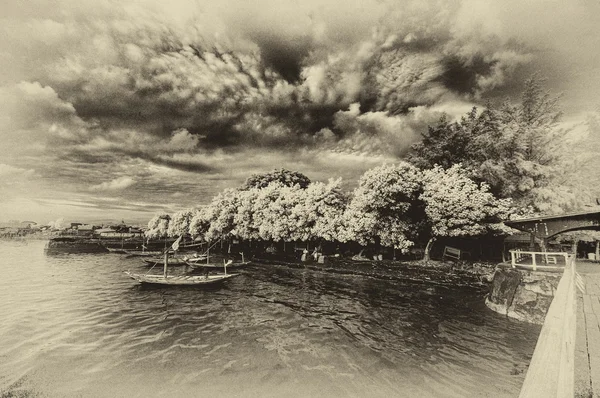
x=583, y=385
x=546, y=369
x=587, y=304
x=593, y=335
x=566, y=372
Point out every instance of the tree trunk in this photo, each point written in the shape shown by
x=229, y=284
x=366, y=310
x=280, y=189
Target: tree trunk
x=426, y=254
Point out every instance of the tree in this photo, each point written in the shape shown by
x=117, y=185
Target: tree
x=455, y=205
x=520, y=150
x=246, y=226
x=272, y=210
x=158, y=226
x=383, y=207
x=221, y=211
x=200, y=222
x=285, y=177
x=319, y=211
x=180, y=223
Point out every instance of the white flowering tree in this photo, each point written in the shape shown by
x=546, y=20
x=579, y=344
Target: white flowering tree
x=158, y=226
x=245, y=224
x=319, y=211
x=222, y=210
x=200, y=222
x=272, y=209
x=180, y=223
x=455, y=205
x=380, y=208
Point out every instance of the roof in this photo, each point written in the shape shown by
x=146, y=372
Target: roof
x=556, y=216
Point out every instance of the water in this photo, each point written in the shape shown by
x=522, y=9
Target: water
x=76, y=326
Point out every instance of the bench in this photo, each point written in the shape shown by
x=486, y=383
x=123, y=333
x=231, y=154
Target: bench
x=453, y=253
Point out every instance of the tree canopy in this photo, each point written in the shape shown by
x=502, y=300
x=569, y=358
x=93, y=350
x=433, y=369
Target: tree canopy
x=520, y=150
x=285, y=177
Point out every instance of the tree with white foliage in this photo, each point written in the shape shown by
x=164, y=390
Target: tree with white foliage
x=272, y=210
x=158, y=226
x=455, y=205
x=180, y=223
x=200, y=222
x=222, y=210
x=383, y=207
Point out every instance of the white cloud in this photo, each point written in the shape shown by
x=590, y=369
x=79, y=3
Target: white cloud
x=117, y=184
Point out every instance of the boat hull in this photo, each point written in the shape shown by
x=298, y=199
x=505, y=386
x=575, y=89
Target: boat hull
x=183, y=280
x=139, y=253
x=217, y=266
x=172, y=261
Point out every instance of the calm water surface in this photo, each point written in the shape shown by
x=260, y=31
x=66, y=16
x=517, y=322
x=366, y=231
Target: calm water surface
x=76, y=326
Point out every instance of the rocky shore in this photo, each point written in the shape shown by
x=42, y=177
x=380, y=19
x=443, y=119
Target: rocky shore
x=464, y=274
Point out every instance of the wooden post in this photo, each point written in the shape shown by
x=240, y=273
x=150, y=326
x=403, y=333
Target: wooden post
x=512, y=259
x=166, y=264
x=533, y=260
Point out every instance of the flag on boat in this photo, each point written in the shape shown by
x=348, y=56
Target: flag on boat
x=175, y=246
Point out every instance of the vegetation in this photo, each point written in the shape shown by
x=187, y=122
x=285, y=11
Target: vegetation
x=463, y=179
x=520, y=150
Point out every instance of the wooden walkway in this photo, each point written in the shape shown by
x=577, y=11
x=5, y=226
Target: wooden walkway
x=587, y=346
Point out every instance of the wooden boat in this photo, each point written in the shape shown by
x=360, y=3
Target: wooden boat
x=189, y=280
x=143, y=253
x=158, y=260
x=215, y=266
x=195, y=258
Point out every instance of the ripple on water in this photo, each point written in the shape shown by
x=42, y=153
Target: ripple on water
x=75, y=325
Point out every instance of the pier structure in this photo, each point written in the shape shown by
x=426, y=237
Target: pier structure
x=566, y=360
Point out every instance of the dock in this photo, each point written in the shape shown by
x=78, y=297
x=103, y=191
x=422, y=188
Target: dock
x=566, y=360
x=587, y=347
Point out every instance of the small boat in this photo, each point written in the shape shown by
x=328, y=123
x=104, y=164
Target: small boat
x=182, y=280
x=189, y=280
x=142, y=253
x=210, y=266
x=115, y=250
x=172, y=261
x=195, y=258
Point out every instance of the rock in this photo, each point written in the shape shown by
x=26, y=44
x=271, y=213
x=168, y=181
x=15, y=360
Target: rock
x=521, y=294
x=503, y=287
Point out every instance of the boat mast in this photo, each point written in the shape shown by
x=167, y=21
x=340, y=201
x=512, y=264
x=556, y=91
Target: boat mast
x=166, y=264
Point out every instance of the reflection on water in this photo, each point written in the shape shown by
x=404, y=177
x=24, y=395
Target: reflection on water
x=75, y=325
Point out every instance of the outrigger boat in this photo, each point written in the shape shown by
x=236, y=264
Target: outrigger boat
x=172, y=261
x=198, y=262
x=188, y=280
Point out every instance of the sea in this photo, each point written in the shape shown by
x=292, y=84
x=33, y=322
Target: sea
x=74, y=325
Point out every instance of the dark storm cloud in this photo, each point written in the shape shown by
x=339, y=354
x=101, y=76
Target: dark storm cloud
x=152, y=91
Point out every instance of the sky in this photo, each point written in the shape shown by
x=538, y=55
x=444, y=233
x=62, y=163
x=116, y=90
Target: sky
x=118, y=110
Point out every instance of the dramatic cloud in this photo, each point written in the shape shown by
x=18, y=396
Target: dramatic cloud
x=176, y=98
x=115, y=185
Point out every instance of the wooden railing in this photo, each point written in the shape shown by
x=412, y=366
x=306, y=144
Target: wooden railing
x=551, y=372
x=547, y=259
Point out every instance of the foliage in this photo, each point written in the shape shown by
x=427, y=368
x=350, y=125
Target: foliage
x=180, y=223
x=200, y=222
x=221, y=211
x=380, y=208
x=285, y=177
x=158, y=226
x=519, y=150
x=457, y=206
